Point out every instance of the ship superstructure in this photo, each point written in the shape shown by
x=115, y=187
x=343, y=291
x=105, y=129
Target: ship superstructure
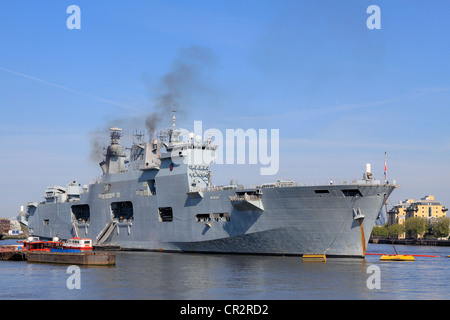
x=159, y=196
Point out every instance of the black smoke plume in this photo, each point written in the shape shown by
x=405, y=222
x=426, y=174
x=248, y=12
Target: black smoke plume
x=177, y=87
x=175, y=90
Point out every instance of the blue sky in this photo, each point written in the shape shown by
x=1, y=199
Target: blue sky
x=340, y=94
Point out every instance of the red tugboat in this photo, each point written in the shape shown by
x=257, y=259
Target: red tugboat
x=71, y=245
x=73, y=251
x=35, y=244
x=32, y=244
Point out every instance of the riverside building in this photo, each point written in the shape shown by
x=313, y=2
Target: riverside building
x=426, y=207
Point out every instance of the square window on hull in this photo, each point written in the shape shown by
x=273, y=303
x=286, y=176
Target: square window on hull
x=122, y=210
x=322, y=191
x=81, y=212
x=205, y=217
x=165, y=214
x=351, y=193
x=221, y=216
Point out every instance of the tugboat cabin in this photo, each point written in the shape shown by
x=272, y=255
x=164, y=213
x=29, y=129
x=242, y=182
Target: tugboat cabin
x=40, y=245
x=78, y=244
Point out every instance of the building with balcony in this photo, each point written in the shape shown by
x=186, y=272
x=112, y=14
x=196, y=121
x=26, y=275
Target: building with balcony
x=397, y=214
x=427, y=207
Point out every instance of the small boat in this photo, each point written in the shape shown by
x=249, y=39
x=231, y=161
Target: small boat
x=78, y=244
x=397, y=257
x=35, y=244
x=71, y=245
x=73, y=251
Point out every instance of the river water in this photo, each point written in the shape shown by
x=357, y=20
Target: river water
x=174, y=276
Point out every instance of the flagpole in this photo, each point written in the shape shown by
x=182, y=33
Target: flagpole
x=385, y=181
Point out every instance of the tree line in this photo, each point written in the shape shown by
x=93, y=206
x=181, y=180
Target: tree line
x=414, y=227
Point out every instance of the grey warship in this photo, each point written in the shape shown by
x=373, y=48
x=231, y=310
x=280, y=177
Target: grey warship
x=151, y=198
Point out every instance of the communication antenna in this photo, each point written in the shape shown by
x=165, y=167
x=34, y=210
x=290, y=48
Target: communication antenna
x=173, y=123
x=139, y=136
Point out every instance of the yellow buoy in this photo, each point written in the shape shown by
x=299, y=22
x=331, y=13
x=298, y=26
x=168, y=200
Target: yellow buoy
x=397, y=257
x=314, y=258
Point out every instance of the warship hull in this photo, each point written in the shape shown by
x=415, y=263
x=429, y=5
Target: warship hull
x=336, y=219
x=160, y=197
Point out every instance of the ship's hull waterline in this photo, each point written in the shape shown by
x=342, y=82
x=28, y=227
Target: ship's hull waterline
x=285, y=221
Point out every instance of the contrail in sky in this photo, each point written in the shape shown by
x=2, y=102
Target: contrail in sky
x=69, y=89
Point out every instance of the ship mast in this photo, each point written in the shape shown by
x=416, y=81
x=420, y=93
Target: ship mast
x=173, y=120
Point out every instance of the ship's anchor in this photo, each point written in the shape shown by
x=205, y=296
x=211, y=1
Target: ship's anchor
x=357, y=214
